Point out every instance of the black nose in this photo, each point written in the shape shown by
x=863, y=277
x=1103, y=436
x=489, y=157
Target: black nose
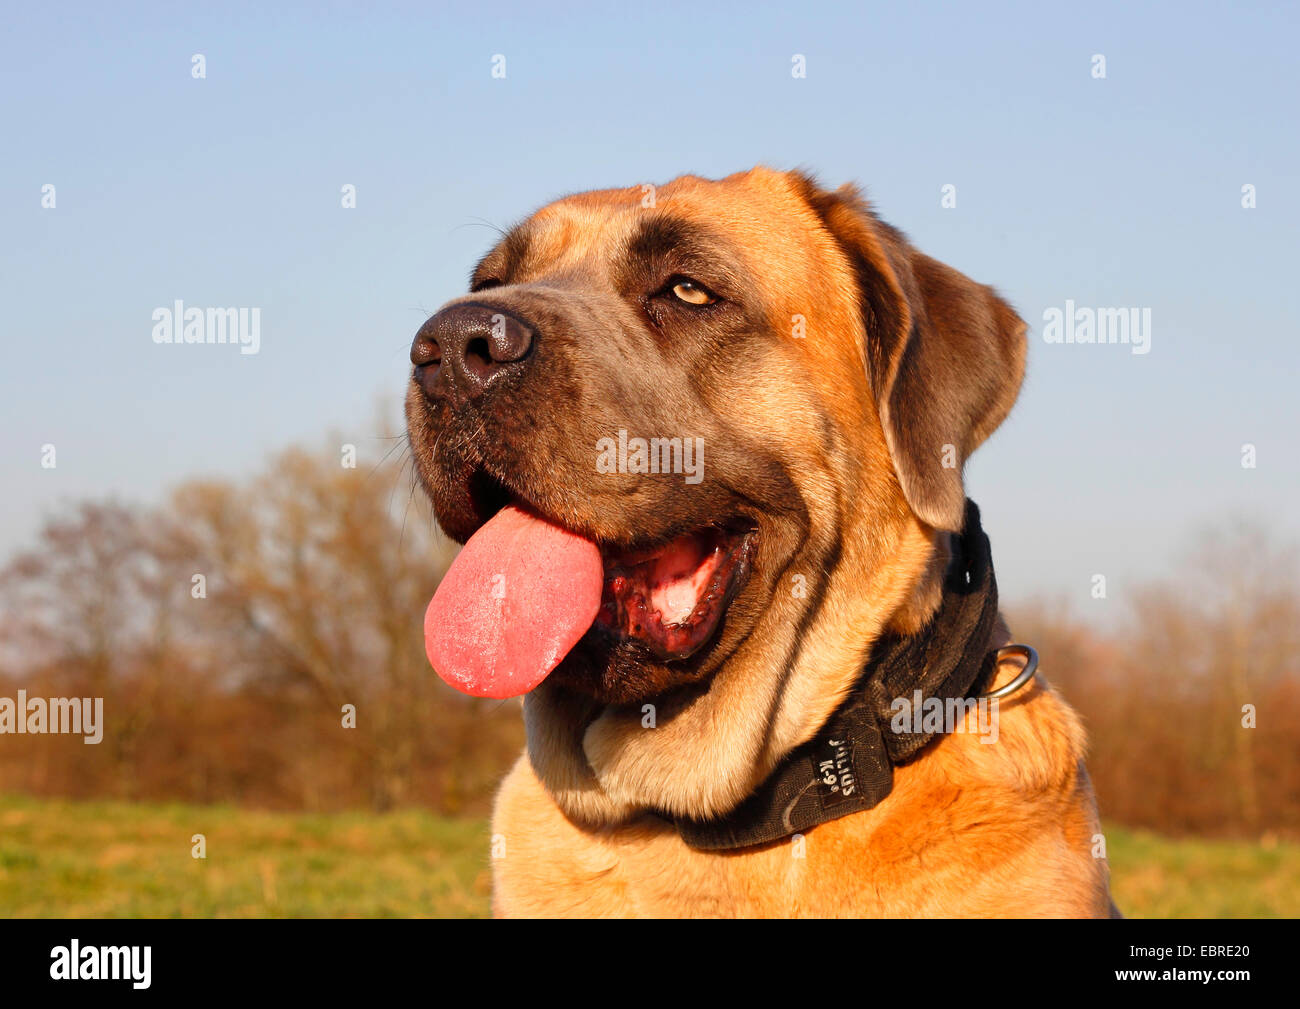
x=463, y=349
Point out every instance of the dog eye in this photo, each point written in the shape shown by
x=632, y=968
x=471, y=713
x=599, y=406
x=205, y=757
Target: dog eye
x=692, y=292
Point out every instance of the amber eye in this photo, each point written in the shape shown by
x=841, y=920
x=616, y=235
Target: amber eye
x=692, y=293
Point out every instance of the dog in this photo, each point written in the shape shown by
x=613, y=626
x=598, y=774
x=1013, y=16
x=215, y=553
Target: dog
x=835, y=381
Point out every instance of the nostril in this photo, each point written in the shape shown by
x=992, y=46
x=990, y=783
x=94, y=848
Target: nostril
x=478, y=358
x=425, y=351
x=478, y=347
x=477, y=344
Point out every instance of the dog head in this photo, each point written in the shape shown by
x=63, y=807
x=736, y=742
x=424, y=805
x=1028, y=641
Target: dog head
x=755, y=399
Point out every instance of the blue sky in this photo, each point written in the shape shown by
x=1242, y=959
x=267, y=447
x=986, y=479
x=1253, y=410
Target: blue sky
x=1123, y=191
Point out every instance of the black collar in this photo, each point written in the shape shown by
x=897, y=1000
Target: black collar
x=848, y=766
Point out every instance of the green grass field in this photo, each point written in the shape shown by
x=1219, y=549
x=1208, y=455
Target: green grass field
x=110, y=859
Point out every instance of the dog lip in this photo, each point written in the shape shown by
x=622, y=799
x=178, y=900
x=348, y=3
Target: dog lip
x=488, y=495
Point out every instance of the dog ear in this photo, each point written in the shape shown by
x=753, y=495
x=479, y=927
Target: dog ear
x=945, y=355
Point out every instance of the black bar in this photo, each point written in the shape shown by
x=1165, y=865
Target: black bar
x=442, y=958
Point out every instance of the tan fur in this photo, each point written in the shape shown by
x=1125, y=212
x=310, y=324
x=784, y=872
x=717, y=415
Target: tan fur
x=736, y=732
x=971, y=829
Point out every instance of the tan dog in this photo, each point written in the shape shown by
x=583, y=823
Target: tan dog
x=838, y=379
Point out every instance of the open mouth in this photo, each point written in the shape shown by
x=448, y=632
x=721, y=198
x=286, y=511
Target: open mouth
x=672, y=597
x=524, y=590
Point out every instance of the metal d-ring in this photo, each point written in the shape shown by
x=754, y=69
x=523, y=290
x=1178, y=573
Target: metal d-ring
x=1023, y=677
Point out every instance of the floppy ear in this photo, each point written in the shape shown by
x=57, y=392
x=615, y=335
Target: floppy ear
x=945, y=355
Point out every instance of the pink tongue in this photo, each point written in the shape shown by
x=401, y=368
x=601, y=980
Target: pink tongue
x=518, y=596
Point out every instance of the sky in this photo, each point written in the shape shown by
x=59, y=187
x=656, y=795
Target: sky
x=1122, y=190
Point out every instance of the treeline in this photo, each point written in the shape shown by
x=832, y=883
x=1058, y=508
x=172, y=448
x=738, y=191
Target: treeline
x=1191, y=695
x=229, y=632
x=232, y=631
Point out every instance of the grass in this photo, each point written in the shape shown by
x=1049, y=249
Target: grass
x=1154, y=877
x=119, y=860
x=66, y=859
